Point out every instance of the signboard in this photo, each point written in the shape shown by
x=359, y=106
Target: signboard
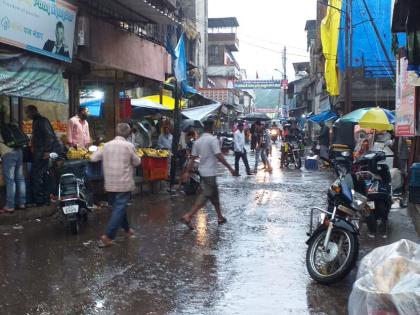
x=45, y=27
x=266, y=110
x=258, y=84
x=31, y=77
x=405, y=105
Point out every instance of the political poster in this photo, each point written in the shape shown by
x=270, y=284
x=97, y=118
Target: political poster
x=405, y=105
x=45, y=27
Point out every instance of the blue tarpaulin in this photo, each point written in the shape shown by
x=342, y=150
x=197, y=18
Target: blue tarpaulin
x=367, y=51
x=322, y=117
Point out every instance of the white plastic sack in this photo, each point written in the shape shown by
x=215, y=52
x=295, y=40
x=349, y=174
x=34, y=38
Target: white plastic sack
x=397, y=181
x=388, y=281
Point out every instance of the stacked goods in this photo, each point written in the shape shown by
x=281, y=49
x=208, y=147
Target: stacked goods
x=153, y=153
x=27, y=127
x=57, y=125
x=78, y=154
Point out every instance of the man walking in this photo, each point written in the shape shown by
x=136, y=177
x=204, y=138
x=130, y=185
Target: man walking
x=239, y=148
x=119, y=160
x=43, y=142
x=206, y=148
x=78, y=135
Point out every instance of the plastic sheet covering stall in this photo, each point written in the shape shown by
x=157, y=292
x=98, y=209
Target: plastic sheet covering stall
x=388, y=281
x=367, y=51
x=201, y=112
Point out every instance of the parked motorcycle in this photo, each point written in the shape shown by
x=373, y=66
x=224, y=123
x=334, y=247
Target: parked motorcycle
x=227, y=142
x=74, y=199
x=355, y=197
x=291, y=154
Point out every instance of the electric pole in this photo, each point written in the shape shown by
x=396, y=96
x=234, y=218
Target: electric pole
x=349, y=57
x=284, y=76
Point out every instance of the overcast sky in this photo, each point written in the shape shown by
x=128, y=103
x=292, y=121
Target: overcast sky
x=269, y=24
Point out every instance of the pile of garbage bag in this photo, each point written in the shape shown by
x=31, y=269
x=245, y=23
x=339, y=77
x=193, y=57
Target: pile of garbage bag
x=388, y=281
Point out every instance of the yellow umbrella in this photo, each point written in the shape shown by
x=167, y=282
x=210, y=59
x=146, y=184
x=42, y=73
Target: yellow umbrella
x=372, y=118
x=167, y=101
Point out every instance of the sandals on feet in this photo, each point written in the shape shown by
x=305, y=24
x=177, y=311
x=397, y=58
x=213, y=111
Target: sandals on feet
x=223, y=221
x=187, y=223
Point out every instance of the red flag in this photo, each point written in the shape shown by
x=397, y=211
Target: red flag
x=257, y=76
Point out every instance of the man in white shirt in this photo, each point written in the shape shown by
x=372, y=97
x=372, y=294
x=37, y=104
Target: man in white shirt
x=206, y=148
x=239, y=148
x=165, y=139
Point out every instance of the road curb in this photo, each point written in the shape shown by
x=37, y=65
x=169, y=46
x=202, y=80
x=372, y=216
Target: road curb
x=414, y=210
x=20, y=216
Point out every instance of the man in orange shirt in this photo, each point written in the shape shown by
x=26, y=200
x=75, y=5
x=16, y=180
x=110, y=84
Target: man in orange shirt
x=78, y=135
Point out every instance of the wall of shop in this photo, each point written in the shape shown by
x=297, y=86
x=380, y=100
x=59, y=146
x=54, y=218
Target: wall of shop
x=114, y=48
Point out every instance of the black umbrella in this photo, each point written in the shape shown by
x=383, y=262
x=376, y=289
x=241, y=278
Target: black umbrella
x=257, y=117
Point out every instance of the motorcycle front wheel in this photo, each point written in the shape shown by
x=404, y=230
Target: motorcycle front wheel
x=298, y=162
x=332, y=264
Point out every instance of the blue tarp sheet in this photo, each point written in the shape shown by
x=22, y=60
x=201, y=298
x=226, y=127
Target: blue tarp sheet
x=367, y=51
x=323, y=117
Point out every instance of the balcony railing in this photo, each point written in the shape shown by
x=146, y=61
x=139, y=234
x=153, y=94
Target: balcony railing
x=229, y=40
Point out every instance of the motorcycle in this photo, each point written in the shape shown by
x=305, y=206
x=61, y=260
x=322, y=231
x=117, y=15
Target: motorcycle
x=275, y=134
x=227, y=142
x=291, y=154
x=352, y=200
x=74, y=199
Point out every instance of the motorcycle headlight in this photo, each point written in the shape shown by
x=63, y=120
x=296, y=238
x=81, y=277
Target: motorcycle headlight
x=273, y=132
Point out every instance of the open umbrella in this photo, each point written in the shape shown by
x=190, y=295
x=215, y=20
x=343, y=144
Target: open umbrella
x=372, y=118
x=257, y=117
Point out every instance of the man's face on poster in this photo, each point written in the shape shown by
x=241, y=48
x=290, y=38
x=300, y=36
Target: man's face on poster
x=59, y=36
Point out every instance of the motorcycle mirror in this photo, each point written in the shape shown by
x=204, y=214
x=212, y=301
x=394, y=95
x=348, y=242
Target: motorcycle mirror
x=53, y=156
x=93, y=148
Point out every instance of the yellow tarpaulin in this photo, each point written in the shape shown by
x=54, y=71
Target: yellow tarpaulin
x=330, y=30
x=167, y=101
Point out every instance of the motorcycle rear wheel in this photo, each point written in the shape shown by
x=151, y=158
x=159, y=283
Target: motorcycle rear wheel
x=343, y=249
x=298, y=163
x=74, y=227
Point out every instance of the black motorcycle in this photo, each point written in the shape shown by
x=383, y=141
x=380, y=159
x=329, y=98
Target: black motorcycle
x=227, y=141
x=355, y=197
x=74, y=198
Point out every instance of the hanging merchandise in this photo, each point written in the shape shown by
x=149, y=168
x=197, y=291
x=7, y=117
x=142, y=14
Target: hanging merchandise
x=330, y=29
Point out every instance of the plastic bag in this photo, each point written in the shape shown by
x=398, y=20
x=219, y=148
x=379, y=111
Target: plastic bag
x=388, y=281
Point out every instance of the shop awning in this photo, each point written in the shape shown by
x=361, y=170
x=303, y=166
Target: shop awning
x=201, y=112
x=167, y=101
x=142, y=107
x=323, y=117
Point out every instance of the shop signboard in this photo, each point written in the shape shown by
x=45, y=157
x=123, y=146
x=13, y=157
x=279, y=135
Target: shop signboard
x=31, y=77
x=405, y=104
x=45, y=27
x=258, y=84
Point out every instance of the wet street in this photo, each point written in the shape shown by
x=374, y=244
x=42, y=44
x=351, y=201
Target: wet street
x=254, y=264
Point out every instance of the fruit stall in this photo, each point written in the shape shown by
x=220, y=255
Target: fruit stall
x=154, y=164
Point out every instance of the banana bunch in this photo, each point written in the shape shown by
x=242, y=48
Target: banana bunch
x=153, y=153
x=77, y=154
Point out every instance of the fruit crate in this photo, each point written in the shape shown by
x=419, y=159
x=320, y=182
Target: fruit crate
x=155, y=169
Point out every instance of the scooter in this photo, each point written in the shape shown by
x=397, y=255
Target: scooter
x=74, y=199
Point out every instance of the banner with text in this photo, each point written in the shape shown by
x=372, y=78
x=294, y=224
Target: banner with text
x=45, y=27
x=31, y=77
x=405, y=105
